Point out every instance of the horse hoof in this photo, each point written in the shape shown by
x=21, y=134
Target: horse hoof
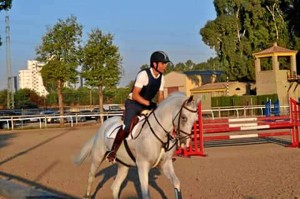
x=178, y=194
x=87, y=197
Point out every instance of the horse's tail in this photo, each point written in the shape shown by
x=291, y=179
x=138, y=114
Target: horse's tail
x=85, y=151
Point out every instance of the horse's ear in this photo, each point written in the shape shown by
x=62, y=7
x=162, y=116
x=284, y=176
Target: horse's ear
x=190, y=99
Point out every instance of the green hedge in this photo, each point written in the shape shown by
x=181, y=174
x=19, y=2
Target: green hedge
x=242, y=100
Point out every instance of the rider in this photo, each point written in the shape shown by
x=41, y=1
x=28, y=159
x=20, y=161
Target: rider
x=148, y=83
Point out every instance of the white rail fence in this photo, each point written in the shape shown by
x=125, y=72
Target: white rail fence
x=73, y=120
x=243, y=111
x=42, y=121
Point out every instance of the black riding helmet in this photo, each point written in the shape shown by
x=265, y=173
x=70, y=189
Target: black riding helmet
x=159, y=56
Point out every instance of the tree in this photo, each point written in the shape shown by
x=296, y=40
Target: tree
x=3, y=98
x=101, y=62
x=116, y=95
x=292, y=13
x=243, y=27
x=144, y=66
x=26, y=98
x=60, y=50
x=5, y=5
x=51, y=99
x=70, y=96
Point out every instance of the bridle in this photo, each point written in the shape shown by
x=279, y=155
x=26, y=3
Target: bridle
x=178, y=130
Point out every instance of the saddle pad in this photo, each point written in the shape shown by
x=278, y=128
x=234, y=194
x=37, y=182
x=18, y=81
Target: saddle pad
x=113, y=130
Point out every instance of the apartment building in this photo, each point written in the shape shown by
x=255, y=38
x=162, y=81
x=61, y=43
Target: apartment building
x=31, y=78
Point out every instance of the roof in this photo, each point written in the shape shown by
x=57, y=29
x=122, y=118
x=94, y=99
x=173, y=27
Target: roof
x=204, y=72
x=274, y=50
x=214, y=86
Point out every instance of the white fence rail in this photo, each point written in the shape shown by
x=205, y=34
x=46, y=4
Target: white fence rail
x=244, y=111
x=12, y=122
x=74, y=119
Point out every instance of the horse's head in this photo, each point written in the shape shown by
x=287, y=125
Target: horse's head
x=184, y=113
x=185, y=119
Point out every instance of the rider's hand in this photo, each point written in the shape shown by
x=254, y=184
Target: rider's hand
x=152, y=105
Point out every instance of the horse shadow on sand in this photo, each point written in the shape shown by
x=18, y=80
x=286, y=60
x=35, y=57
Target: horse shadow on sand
x=4, y=139
x=132, y=176
x=246, y=141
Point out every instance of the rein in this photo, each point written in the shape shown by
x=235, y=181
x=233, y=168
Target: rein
x=178, y=130
x=166, y=145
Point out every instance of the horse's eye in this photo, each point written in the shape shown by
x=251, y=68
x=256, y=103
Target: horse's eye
x=183, y=118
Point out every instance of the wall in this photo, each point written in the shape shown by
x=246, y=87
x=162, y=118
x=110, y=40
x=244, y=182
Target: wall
x=237, y=88
x=179, y=80
x=263, y=84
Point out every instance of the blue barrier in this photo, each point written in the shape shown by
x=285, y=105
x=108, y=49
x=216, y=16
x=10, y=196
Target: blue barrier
x=268, y=108
x=276, y=110
x=267, y=111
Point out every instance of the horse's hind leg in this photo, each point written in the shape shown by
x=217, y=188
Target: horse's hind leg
x=168, y=169
x=121, y=175
x=97, y=159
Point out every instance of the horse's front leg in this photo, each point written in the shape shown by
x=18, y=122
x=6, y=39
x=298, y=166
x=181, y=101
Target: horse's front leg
x=121, y=175
x=143, y=170
x=168, y=169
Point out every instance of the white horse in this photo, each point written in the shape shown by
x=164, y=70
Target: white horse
x=152, y=146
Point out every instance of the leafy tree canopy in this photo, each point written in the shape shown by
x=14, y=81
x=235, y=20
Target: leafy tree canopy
x=5, y=4
x=243, y=27
x=101, y=60
x=101, y=63
x=60, y=51
x=26, y=98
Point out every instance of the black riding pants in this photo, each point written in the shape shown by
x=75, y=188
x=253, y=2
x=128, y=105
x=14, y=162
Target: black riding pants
x=132, y=109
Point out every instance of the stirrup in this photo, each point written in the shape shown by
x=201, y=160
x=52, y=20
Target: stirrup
x=111, y=156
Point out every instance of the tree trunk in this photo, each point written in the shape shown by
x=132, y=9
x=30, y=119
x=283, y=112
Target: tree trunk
x=60, y=102
x=100, y=93
x=272, y=12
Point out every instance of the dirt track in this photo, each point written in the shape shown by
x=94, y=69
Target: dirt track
x=43, y=158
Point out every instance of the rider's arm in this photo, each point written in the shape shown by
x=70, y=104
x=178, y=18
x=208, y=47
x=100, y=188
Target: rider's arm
x=141, y=80
x=160, y=96
x=137, y=97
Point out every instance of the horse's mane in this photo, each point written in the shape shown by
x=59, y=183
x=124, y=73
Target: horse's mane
x=177, y=94
x=172, y=96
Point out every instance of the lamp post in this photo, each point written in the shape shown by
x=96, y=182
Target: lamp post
x=10, y=93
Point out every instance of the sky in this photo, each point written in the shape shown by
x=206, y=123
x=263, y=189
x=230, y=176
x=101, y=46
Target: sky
x=139, y=28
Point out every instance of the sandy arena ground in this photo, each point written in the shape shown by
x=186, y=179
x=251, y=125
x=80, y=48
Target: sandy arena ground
x=43, y=158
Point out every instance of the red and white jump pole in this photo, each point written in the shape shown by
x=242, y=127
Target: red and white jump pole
x=203, y=128
x=295, y=115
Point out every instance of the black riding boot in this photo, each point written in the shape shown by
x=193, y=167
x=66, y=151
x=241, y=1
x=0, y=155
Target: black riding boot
x=121, y=135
